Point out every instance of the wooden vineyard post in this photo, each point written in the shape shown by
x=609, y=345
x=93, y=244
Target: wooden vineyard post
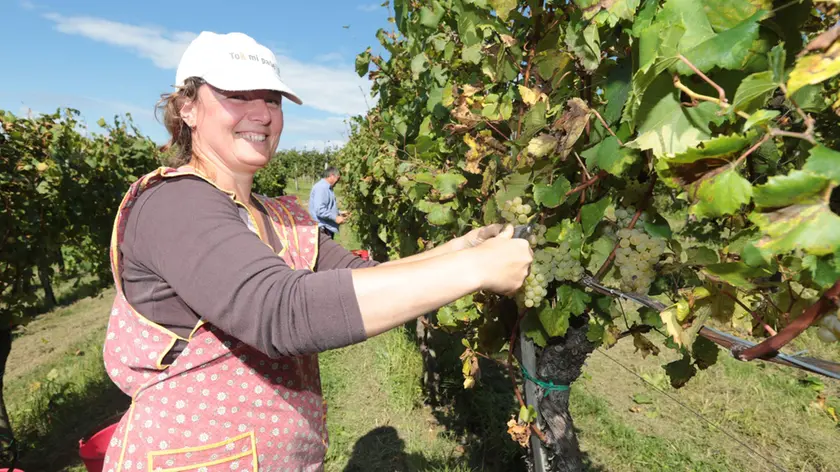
x=539, y=455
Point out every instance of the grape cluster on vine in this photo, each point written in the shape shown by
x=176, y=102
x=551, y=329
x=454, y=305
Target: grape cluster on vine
x=636, y=255
x=515, y=212
x=550, y=264
x=829, y=328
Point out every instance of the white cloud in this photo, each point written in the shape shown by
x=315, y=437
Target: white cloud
x=313, y=132
x=369, y=7
x=163, y=48
x=316, y=144
x=28, y=5
x=337, y=90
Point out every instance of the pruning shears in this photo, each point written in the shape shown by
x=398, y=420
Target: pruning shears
x=526, y=230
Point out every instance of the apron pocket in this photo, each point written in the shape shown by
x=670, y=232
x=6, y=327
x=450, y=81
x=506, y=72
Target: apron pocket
x=238, y=453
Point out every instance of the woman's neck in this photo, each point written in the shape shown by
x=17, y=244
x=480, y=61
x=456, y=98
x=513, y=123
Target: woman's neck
x=238, y=183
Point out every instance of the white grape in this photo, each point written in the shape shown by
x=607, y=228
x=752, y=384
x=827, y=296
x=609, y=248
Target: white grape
x=826, y=335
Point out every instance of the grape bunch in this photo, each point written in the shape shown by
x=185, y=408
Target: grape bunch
x=550, y=264
x=636, y=256
x=829, y=328
x=515, y=212
x=623, y=216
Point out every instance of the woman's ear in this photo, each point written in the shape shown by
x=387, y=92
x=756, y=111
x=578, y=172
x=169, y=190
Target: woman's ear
x=188, y=113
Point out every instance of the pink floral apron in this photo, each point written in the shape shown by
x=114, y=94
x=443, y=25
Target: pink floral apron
x=221, y=405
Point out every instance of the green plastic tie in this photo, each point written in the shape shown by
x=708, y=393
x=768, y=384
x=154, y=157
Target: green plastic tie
x=546, y=386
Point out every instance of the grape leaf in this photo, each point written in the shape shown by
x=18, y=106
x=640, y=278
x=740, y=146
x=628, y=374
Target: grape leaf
x=572, y=123
x=449, y=183
x=825, y=162
x=551, y=196
x=754, y=91
x=532, y=327
x=776, y=61
x=680, y=372
x=503, y=7
x=600, y=250
x=541, y=145
x=430, y=15
x=533, y=122
x=666, y=127
x=512, y=186
x=471, y=54
x=815, y=68
x=592, y=214
x=555, y=320
x=567, y=230
x=610, y=156
x=468, y=22
x=418, y=65
x=760, y=117
x=363, y=63
x=737, y=274
x=825, y=271
x=795, y=188
x=721, y=195
x=812, y=228
x=726, y=14
x=582, y=39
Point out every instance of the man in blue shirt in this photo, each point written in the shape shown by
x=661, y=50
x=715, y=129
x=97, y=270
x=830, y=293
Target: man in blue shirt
x=322, y=203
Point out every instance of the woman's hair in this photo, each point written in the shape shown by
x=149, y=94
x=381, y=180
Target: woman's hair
x=180, y=135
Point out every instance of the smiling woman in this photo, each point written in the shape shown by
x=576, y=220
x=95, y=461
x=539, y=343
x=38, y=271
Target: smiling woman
x=225, y=297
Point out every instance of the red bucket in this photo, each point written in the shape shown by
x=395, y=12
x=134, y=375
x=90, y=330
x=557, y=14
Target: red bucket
x=92, y=450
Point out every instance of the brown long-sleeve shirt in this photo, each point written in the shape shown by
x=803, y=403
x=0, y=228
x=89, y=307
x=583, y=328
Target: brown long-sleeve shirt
x=188, y=254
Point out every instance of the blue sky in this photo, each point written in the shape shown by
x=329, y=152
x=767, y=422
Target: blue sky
x=107, y=58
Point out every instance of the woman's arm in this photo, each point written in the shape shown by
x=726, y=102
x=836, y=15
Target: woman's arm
x=391, y=294
x=471, y=239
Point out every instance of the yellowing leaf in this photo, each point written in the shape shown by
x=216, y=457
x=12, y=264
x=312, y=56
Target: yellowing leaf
x=542, y=145
x=531, y=96
x=815, y=68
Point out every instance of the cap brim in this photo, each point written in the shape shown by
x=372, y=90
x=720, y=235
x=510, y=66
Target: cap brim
x=257, y=80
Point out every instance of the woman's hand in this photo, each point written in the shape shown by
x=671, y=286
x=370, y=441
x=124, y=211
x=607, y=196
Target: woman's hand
x=504, y=261
x=480, y=235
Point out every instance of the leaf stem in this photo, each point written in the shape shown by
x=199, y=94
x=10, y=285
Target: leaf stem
x=756, y=317
x=598, y=115
x=703, y=76
x=606, y=265
x=723, y=104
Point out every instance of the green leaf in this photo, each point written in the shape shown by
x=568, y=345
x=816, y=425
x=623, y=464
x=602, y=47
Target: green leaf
x=570, y=302
x=567, y=230
x=810, y=98
x=726, y=50
x=438, y=214
x=812, y=228
x=533, y=329
x=468, y=22
x=737, y=274
x=102, y=124
x=825, y=162
x=701, y=256
x=680, y=372
x=815, y=68
x=555, y=320
x=705, y=353
x=795, y=188
x=754, y=91
x=610, y=156
x=430, y=15
x=721, y=195
x=583, y=41
x=418, y=65
x=776, y=59
x=472, y=54
x=534, y=120
x=600, y=250
x=760, y=117
x=503, y=7
x=551, y=196
x=362, y=64
x=448, y=184
x=512, y=186
x=825, y=271
x=592, y=214
x=642, y=399
x=666, y=127
x=726, y=14
x=616, y=91
x=527, y=414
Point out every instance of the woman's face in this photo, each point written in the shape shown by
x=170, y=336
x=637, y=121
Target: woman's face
x=240, y=130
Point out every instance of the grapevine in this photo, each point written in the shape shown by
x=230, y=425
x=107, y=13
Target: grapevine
x=671, y=149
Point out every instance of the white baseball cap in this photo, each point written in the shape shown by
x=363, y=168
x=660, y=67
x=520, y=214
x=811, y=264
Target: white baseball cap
x=232, y=62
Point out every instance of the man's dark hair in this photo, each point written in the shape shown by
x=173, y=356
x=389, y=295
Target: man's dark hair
x=329, y=171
